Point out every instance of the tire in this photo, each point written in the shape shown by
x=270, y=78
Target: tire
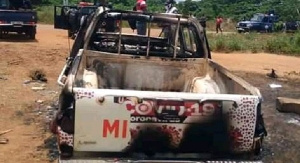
x=258, y=147
x=31, y=33
x=32, y=36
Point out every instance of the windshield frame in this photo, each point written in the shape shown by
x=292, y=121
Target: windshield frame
x=178, y=20
x=257, y=18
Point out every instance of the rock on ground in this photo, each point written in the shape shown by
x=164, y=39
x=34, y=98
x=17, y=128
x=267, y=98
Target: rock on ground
x=289, y=105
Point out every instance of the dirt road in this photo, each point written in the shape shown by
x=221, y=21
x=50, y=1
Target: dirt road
x=48, y=52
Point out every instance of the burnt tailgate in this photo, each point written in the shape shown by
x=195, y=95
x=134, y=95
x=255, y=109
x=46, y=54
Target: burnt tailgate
x=161, y=122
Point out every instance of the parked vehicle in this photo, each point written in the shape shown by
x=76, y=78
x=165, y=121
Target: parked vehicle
x=70, y=17
x=291, y=26
x=18, y=18
x=259, y=23
x=152, y=98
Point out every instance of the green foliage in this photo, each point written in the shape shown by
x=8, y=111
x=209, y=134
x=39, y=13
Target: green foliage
x=275, y=43
x=52, y=2
x=226, y=43
x=233, y=9
x=278, y=26
x=239, y=9
x=285, y=43
x=220, y=44
x=45, y=14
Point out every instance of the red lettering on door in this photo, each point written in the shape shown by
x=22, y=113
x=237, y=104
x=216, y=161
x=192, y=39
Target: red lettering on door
x=124, y=130
x=115, y=128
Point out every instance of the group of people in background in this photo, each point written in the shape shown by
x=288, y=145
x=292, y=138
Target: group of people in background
x=141, y=6
x=170, y=8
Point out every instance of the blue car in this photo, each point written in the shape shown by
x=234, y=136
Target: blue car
x=259, y=23
x=17, y=17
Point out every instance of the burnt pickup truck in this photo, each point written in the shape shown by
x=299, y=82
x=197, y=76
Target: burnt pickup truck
x=15, y=17
x=153, y=98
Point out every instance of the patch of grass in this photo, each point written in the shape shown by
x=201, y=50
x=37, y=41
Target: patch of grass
x=45, y=14
x=19, y=113
x=278, y=43
x=235, y=45
x=284, y=44
x=220, y=44
x=225, y=43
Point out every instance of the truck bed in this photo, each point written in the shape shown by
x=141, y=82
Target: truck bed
x=102, y=70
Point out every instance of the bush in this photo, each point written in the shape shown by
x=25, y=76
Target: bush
x=234, y=44
x=297, y=39
x=284, y=44
x=276, y=45
x=279, y=43
x=45, y=14
x=220, y=44
x=224, y=43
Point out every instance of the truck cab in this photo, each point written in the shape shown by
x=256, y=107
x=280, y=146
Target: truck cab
x=259, y=22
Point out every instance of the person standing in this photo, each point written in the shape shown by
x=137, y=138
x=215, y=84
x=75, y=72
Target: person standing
x=27, y=4
x=141, y=6
x=170, y=7
x=219, y=22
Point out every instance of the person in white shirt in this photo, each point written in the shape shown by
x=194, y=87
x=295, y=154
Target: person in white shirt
x=170, y=7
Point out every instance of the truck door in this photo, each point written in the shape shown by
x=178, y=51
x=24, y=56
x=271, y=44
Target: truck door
x=61, y=17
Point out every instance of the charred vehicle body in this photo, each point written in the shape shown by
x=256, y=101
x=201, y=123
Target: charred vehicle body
x=152, y=98
x=18, y=17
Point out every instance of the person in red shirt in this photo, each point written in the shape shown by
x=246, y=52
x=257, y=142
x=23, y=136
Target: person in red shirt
x=219, y=21
x=141, y=6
